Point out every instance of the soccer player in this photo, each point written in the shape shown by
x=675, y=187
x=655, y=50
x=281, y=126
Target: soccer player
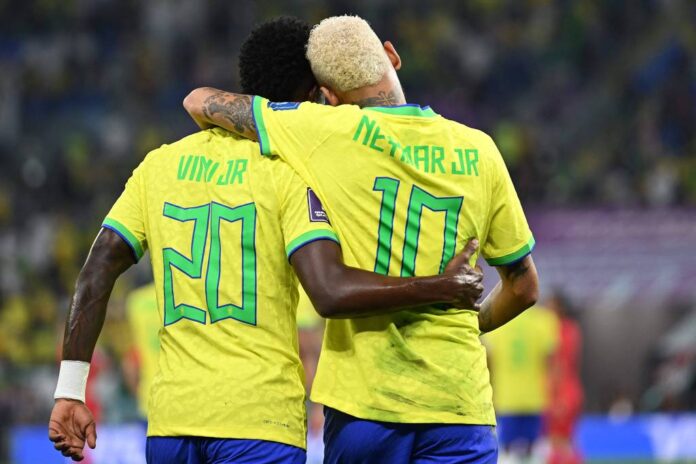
x=225, y=228
x=520, y=356
x=404, y=188
x=140, y=364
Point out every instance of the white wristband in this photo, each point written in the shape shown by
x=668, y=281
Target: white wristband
x=72, y=380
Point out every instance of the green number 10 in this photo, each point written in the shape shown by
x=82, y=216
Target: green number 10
x=419, y=199
x=212, y=215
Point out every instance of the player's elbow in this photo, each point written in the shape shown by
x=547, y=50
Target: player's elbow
x=193, y=101
x=529, y=296
x=329, y=306
x=527, y=291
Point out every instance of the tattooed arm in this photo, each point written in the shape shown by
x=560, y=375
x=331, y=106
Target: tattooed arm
x=517, y=290
x=211, y=107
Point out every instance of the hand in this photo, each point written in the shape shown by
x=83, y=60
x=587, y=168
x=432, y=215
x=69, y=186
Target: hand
x=468, y=281
x=72, y=424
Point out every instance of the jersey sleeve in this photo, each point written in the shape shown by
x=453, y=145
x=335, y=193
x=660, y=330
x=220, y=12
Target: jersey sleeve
x=303, y=219
x=127, y=217
x=509, y=237
x=292, y=130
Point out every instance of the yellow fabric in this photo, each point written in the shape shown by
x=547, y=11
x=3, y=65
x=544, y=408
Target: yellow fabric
x=218, y=220
x=520, y=353
x=307, y=316
x=145, y=322
x=410, y=366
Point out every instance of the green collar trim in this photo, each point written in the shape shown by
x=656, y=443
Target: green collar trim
x=408, y=109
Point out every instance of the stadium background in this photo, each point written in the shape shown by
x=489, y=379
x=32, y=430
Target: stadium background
x=592, y=103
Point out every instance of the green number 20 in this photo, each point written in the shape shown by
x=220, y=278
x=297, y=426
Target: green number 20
x=418, y=199
x=212, y=215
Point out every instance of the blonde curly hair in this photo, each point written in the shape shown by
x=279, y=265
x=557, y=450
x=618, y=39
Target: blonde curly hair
x=346, y=54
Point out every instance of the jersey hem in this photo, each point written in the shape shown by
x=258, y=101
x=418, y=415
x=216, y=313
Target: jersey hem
x=309, y=237
x=259, y=126
x=127, y=236
x=227, y=434
x=513, y=257
x=366, y=413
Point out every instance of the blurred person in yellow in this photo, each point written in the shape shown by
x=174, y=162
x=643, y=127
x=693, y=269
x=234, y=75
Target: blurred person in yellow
x=140, y=365
x=229, y=232
x=520, y=355
x=404, y=188
x=310, y=328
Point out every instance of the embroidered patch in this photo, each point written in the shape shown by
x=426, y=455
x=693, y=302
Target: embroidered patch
x=316, y=210
x=283, y=106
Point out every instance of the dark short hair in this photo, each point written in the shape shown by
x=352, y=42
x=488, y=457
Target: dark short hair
x=272, y=61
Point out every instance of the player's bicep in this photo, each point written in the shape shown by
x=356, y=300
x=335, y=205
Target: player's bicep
x=315, y=264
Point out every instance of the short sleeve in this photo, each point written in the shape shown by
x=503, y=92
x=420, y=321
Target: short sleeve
x=291, y=130
x=509, y=237
x=126, y=217
x=303, y=218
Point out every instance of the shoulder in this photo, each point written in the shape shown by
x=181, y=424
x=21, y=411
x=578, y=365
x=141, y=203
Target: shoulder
x=475, y=137
x=201, y=141
x=310, y=107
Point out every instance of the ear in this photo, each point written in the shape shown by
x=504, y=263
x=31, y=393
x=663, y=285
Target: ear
x=331, y=97
x=393, y=56
x=313, y=95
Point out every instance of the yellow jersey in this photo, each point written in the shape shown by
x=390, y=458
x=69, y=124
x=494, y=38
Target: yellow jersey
x=141, y=311
x=520, y=355
x=405, y=189
x=220, y=222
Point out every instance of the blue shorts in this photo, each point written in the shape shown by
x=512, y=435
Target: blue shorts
x=200, y=450
x=518, y=430
x=348, y=439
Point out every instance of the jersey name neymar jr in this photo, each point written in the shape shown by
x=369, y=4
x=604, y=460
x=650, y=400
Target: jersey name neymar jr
x=220, y=223
x=405, y=189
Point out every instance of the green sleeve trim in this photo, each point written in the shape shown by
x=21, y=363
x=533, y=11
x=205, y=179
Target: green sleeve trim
x=126, y=235
x=513, y=257
x=261, y=132
x=308, y=237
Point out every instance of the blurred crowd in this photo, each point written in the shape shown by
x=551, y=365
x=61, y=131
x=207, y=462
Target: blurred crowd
x=592, y=103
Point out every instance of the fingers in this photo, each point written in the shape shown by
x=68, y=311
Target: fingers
x=91, y=435
x=72, y=451
x=55, y=431
x=470, y=248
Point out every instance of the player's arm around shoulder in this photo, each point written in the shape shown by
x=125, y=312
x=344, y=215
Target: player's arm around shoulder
x=294, y=125
x=340, y=291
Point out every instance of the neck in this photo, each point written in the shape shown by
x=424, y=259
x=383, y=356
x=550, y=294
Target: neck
x=386, y=92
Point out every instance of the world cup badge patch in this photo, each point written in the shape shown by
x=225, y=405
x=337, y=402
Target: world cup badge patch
x=316, y=210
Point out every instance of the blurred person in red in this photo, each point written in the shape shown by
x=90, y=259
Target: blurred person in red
x=566, y=387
